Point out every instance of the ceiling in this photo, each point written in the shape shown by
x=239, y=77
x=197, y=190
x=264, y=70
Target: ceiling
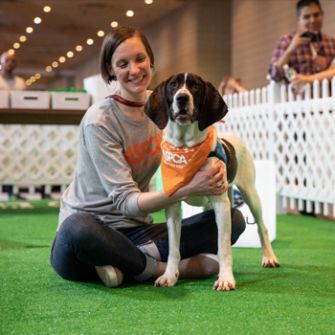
x=70, y=22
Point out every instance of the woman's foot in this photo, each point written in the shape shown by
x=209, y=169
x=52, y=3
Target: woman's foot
x=110, y=275
x=199, y=266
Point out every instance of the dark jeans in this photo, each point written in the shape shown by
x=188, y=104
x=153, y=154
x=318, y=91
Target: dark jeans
x=83, y=242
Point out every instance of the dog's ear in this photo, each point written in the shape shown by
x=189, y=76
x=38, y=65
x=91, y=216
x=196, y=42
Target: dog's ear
x=157, y=106
x=213, y=107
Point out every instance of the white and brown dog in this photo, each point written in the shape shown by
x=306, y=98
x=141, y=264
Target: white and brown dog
x=187, y=107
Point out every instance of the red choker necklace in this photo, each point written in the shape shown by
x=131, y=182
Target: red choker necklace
x=126, y=102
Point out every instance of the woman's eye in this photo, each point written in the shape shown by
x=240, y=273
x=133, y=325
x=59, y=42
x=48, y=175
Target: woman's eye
x=140, y=59
x=122, y=65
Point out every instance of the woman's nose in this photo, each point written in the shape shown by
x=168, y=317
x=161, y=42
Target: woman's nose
x=133, y=68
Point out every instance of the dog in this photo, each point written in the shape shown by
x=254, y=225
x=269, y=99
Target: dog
x=186, y=107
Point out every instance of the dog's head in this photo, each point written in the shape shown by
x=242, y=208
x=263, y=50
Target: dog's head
x=185, y=98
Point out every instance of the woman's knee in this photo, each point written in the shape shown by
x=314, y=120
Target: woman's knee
x=77, y=226
x=71, y=236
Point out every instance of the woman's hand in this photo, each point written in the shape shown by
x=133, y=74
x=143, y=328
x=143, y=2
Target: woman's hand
x=209, y=180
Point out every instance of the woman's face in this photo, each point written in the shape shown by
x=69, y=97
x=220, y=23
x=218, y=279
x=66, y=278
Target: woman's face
x=132, y=68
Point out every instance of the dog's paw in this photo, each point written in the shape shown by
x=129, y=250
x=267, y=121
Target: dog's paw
x=270, y=262
x=166, y=281
x=224, y=285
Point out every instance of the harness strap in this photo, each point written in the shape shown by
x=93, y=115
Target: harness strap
x=219, y=152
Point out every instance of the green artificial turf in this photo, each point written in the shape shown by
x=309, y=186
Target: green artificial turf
x=297, y=298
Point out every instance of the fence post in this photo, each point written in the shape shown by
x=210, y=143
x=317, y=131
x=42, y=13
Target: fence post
x=273, y=100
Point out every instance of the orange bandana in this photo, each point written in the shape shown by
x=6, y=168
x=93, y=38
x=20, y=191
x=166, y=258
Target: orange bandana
x=180, y=164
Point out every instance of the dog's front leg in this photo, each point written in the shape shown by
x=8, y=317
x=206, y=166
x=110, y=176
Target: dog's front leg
x=221, y=205
x=171, y=274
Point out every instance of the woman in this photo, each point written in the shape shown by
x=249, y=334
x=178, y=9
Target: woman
x=104, y=228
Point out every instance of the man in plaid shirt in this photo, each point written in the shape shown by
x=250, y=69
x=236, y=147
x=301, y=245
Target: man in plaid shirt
x=306, y=55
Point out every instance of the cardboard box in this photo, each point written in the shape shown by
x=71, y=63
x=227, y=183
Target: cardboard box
x=30, y=99
x=4, y=99
x=70, y=100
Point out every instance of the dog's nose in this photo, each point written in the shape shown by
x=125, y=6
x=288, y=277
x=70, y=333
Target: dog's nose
x=182, y=99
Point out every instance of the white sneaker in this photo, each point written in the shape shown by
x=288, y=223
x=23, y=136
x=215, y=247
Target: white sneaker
x=109, y=275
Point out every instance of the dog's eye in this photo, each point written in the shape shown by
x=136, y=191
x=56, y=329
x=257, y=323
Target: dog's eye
x=195, y=87
x=173, y=84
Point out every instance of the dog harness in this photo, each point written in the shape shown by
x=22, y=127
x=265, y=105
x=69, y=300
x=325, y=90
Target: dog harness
x=179, y=164
x=226, y=152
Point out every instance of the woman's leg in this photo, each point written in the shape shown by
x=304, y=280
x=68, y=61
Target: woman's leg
x=82, y=243
x=199, y=234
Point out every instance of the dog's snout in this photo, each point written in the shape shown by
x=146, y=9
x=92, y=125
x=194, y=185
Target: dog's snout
x=182, y=99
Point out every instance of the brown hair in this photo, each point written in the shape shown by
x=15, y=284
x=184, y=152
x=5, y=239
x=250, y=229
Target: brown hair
x=305, y=3
x=111, y=42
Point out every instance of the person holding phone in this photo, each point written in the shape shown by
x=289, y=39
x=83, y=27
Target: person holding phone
x=306, y=51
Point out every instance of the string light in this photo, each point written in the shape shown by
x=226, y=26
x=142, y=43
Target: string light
x=37, y=20
x=130, y=13
x=69, y=54
x=79, y=48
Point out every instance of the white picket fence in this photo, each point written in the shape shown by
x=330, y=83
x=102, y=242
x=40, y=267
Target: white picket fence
x=297, y=133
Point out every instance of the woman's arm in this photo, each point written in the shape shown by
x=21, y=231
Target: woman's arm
x=204, y=182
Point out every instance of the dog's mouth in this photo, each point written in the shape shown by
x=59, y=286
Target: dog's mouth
x=182, y=115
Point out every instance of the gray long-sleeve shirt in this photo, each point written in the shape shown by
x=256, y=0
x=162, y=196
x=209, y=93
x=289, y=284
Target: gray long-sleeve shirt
x=116, y=159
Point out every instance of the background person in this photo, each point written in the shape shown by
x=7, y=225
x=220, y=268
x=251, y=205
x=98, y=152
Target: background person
x=9, y=81
x=305, y=55
x=230, y=85
x=301, y=79
x=105, y=230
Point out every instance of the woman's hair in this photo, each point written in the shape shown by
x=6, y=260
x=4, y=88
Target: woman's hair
x=111, y=42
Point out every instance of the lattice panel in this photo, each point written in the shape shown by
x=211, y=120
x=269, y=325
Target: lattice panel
x=37, y=154
x=252, y=124
x=304, y=151
x=296, y=132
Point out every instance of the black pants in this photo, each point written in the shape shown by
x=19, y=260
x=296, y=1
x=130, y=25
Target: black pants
x=83, y=242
